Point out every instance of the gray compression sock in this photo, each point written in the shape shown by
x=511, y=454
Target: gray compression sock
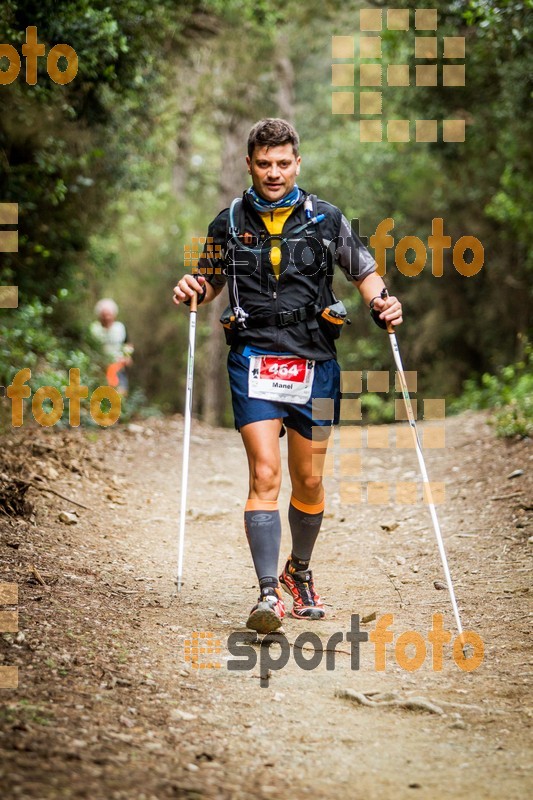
x=262, y=524
x=305, y=521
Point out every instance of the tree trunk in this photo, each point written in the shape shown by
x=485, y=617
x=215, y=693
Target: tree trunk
x=285, y=79
x=232, y=181
x=214, y=356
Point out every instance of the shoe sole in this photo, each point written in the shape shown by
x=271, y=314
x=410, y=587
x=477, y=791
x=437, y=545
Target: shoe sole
x=313, y=615
x=264, y=620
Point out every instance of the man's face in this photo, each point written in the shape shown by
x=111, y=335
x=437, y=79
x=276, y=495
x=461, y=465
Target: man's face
x=273, y=170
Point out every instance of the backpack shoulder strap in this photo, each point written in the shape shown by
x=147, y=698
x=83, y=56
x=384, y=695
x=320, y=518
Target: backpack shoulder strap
x=236, y=220
x=325, y=242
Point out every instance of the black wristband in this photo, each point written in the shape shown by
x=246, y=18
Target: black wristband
x=379, y=322
x=201, y=297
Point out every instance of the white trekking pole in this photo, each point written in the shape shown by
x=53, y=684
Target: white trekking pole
x=423, y=470
x=187, y=433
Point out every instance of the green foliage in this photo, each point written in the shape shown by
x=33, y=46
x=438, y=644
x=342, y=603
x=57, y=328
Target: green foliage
x=516, y=419
x=28, y=341
x=509, y=392
x=116, y=171
x=377, y=409
x=480, y=187
x=68, y=149
x=135, y=406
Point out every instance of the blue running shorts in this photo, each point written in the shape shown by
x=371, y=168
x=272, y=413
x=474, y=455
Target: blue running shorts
x=326, y=384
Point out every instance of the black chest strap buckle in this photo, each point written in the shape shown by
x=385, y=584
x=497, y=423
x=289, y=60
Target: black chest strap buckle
x=284, y=318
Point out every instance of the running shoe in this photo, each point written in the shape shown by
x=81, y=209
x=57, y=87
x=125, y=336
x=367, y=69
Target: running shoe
x=268, y=612
x=307, y=603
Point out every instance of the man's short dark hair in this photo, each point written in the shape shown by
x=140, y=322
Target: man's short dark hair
x=272, y=132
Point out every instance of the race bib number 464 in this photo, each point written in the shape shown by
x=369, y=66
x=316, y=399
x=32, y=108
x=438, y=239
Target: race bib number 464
x=282, y=378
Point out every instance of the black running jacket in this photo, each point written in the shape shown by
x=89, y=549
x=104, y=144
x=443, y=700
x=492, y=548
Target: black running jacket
x=308, y=259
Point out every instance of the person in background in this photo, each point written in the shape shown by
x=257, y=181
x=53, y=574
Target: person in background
x=114, y=339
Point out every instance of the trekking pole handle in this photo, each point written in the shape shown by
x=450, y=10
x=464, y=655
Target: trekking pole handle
x=194, y=303
x=383, y=295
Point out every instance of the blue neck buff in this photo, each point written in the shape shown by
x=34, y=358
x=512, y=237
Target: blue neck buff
x=261, y=205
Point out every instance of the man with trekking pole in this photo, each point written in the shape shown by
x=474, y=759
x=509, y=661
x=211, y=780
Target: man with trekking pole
x=276, y=248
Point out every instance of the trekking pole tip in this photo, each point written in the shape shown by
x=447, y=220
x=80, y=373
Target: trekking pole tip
x=466, y=648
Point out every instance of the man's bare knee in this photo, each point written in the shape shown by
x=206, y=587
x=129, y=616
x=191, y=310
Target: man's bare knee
x=265, y=478
x=308, y=485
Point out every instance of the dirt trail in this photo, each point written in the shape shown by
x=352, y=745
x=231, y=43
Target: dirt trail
x=107, y=706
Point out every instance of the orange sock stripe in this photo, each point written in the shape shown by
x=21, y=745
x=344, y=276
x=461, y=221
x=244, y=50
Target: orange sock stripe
x=253, y=504
x=316, y=508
